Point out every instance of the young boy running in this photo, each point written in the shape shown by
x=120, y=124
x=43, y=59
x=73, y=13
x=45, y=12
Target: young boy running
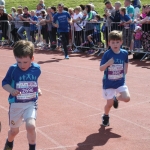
x=21, y=81
x=115, y=65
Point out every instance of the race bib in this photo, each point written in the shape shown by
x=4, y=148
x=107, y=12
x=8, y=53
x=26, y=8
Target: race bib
x=115, y=72
x=28, y=90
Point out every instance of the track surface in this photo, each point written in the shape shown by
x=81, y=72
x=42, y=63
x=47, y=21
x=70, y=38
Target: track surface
x=70, y=109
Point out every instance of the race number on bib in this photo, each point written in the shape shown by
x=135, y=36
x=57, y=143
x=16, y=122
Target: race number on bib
x=115, y=72
x=28, y=90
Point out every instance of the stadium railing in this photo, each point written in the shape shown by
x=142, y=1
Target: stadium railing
x=79, y=33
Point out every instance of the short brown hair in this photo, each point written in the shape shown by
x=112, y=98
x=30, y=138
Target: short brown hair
x=23, y=49
x=115, y=35
x=123, y=9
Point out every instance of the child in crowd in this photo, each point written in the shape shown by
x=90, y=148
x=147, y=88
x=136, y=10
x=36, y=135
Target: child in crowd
x=125, y=22
x=39, y=27
x=114, y=63
x=96, y=35
x=41, y=2
x=21, y=82
x=137, y=37
x=33, y=27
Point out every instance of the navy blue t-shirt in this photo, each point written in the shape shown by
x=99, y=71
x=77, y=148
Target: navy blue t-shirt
x=33, y=26
x=126, y=18
x=24, y=81
x=114, y=75
x=62, y=20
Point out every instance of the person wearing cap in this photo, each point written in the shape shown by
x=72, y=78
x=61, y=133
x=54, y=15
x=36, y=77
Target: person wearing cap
x=137, y=37
x=2, y=2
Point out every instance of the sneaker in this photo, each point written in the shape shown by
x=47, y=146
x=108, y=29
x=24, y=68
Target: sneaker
x=76, y=51
x=105, y=120
x=67, y=57
x=115, y=102
x=7, y=147
x=90, y=52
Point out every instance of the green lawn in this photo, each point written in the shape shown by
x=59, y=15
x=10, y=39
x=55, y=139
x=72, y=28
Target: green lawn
x=69, y=3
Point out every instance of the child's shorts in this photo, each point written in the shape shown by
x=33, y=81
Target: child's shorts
x=110, y=93
x=20, y=112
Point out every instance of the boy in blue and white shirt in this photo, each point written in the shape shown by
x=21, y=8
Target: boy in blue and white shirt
x=114, y=63
x=21, y=81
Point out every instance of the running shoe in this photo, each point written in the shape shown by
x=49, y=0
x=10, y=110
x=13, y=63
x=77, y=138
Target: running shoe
x=116, y=103
x=105, y=120
x=67, y=57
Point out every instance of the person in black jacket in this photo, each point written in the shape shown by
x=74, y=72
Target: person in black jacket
x=115, y=17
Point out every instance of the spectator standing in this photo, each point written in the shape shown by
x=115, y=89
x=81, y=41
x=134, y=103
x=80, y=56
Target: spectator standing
x=115, y=17
x=26, y=25
x=108, y=10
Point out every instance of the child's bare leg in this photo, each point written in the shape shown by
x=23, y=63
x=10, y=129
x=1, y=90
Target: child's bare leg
x=31, y=133
x=124, y=96
x=108, y=106
x=12, y=133
x=90, y=38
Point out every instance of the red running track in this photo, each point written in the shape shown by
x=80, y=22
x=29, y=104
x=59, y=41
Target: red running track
x=70, y=109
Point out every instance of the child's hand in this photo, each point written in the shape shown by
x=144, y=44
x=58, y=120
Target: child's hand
x=39, y=92
x=15, y=92
x=110, y=62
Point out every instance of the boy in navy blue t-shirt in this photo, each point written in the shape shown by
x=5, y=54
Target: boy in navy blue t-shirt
x=114, y=63
x=21, y=81
x=61, y=21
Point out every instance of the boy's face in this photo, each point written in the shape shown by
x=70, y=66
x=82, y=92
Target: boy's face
x=32, y=13
x=117, y=6
x=115, y=45
x=121, y=12
x=24, y=63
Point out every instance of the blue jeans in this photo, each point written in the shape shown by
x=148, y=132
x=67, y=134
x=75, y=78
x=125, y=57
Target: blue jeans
x=21, y=31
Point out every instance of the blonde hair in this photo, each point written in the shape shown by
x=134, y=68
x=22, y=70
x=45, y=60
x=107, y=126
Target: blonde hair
x=78, y=8
x=118, y=3
x=70, y=9
x=19, y=10
x=13, y=8
x=32, y=11
x=41, y=1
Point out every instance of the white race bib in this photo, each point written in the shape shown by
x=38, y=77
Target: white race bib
x=115, y=72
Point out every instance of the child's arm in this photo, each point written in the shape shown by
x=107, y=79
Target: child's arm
x=108, y=63
x=125, y=68
x=11, y=90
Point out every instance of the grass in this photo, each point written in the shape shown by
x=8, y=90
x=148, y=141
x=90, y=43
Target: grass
x=68, y=3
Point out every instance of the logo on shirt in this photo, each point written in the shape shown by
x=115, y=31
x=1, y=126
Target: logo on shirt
x=28, y=77
x=12, y=122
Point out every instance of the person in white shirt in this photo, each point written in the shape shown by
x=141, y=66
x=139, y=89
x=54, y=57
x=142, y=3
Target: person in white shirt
x=77, y=26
